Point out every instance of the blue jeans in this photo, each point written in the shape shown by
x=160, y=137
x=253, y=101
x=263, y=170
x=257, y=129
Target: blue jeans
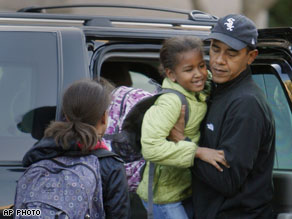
x=172, y=210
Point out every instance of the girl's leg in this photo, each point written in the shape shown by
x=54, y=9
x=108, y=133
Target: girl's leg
x=157, y=213
x=168, y=211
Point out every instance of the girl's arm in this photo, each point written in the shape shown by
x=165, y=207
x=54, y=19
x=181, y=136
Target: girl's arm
x=157, y=123
x=116, y=199
x=212, y=157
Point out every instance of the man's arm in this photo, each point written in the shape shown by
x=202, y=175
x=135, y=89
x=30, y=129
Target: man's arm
x=240, y=139
x=115, y=189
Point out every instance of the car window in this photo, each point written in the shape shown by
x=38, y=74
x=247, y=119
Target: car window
x=142, y=81
x=28, y=92
x=278, y=101
x=132, y=71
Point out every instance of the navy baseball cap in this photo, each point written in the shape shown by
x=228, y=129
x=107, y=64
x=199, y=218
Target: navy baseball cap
x=235, y=30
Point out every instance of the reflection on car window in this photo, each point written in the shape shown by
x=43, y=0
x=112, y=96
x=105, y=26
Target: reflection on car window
x=141, y=81
x=283, y=118
x=28, y=75
x=15, y=96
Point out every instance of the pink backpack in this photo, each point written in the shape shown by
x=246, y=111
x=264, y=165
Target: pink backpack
x=124, y=98
x=123, y=133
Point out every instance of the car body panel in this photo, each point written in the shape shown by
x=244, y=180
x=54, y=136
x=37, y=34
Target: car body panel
x=84, y=43
x=68, y=63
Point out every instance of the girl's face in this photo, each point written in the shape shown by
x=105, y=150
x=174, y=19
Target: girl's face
x=190, y=72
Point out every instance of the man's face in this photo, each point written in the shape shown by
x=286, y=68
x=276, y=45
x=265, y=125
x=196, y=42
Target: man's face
x=227, y=63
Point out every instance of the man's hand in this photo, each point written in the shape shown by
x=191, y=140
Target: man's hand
x=177, y=132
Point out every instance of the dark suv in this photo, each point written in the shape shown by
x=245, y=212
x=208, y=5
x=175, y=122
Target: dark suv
x=42, y=53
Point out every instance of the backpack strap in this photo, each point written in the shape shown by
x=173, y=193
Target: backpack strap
x=112, y=136
x=122, y=102
x=150, y=192
x=152, y=165
x=182, y=98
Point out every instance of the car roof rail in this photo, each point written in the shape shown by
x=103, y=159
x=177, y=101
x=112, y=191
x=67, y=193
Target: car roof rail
x=194, y=15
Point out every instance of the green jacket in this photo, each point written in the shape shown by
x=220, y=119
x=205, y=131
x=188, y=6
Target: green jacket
x=172, y=178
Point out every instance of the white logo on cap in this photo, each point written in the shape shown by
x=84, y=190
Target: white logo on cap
x=229, y=24
x=252, y=41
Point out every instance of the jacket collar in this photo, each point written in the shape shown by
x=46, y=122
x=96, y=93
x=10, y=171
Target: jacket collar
x=219, y=88
x=47, y=148
x=167, y=83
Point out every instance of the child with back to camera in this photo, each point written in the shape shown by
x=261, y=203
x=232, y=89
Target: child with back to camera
x=185, y=70
x=85, y=105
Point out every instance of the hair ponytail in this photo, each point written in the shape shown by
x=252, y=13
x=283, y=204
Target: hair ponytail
x=84, y=104
x=62, y=132
x=86, y=135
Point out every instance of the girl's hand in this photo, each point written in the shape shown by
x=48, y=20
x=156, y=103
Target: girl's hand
x=212, y=157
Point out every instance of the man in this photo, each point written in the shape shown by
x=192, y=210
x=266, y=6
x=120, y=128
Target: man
x=239, y=122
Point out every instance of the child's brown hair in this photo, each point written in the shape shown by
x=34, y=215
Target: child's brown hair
x=173, y=47
x=84, y=104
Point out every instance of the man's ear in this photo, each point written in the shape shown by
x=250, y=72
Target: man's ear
x=252, y=55
x=170, y=74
